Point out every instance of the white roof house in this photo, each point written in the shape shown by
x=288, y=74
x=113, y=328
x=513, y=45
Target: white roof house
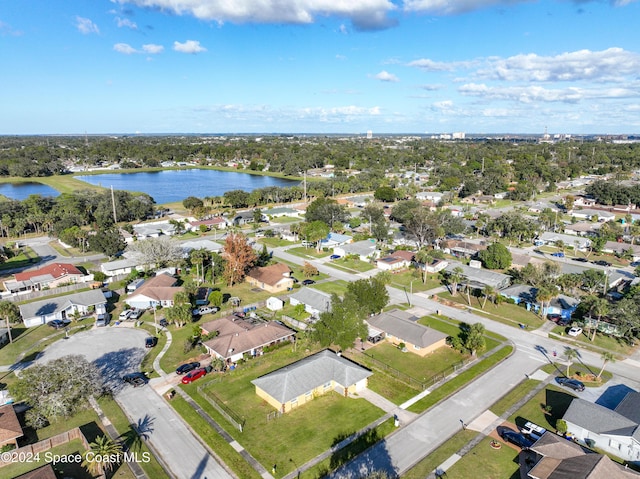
x=61, y=307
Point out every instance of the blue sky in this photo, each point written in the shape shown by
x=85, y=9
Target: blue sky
x=319, y=66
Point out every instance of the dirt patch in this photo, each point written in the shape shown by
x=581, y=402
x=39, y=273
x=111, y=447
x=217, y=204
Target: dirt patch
x=494, y=435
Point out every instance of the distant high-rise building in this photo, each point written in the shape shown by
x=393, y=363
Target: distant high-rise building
x=369, y=134
x=459, y=135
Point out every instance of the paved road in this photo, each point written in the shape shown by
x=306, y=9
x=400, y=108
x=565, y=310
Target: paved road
x=119, y=350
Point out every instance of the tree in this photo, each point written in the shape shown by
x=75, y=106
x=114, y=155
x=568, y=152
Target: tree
x=370, y=293
x=599, y=307
x=107, y=241
x=606, y=357
x=216, y=298
x=309, y=270
x=191, y=203
x=198, y=257
x=454, y=278
x=180, y=312
x=178, y=227
x=424, y=257
x=488, y=292
x=239, y=258
x=592, y=279
x=496, y=256
x=342, y=324
x=326, y=210
x=545, y=294
x=160, y=251
x=99, y=459
x=314, y=232
x=385, y=193
x=57, y=389
x=474, y=340
x=10, y=312
x=570, y=354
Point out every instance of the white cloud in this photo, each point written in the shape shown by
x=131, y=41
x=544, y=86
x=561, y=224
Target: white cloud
x=190, y=46
x=612, y=63
x=340, y=57
x=535, y=93
x=86, y=26
x=152, y=48
x=432, y=66
x=445, y=105
x=124, y=48
x=125, y=22
x=386, y=76
x=364, y=14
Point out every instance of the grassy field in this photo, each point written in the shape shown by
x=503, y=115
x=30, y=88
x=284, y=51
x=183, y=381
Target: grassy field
x=295, y=437
x=176, y=354
x=350, y=265
x=484, y=462
x=308, y=253
x=411, y=280
x=512, y=397
x=274, y=242
x=25, y=259
x=441, y=454
x=61, y=183
x=609, y=343
x=558, y=399
x=338, y=287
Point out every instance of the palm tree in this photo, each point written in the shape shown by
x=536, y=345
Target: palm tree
x=606, y=357
x=599, y=307
x=571, y=354
x=543, y=295
x=11, y=314
x=488, y=292
x=455, y=277
x=102, y=447
x=423, y=257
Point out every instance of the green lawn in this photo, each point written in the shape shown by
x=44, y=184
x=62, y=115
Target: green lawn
x=510, y=314
x=512, y=397
x=274, y=242
x=298, y=435
x=338, y=287
x=581, y=371
x=411, y=280
x=308, y=253
x=26, y=258
x=441, y=454
x=609, y=343
x=349, y=265
x=484, y=462
x=553, y=396
x=284, y=219
x=176, y=354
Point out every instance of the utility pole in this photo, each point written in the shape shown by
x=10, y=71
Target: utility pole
x=113, y=203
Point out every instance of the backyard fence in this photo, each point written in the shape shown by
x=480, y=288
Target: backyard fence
x=47, y=292
x=29, y=451
x=235, y=419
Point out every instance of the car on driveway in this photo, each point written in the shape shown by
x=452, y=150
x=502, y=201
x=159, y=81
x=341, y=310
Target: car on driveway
x=570, y=383
x=205, y=310
x=575, y=331
x=103, y=319
x=150, y=342
x=514, y=437
x=307, y=282
x=554, y=317
x=58, y=323
x=124, y=315
x=163, y=322
x=185, y=368
x=135, y=313
x=193, y=375
x=135, y=379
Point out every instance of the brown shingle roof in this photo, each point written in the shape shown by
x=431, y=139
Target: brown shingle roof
x=44, y=472
x=245, y=337
x=271, y=274
x=159, y=288
x=10, y=428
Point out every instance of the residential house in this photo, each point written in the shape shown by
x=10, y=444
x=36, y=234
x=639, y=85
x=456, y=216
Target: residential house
x=280, y=211
x=590, y=215
x=435, y=266
x=298, y=383
x=44, y=472
x=579, y=243
x=398, y=326
x=615, y=431
x=525, y=295
x=246, y=218
x=49, y=276
x=10, y=428
x=62, y=307
x=365, y=249
x=582, y=228
x=434, y=196
x=274, y=278
x=157, y=291
x=202, y=243
x=620, y=248
x=215, y=223
x=153, y=230
x=315, y=301
x=237, y=337
x=584, y=201
x=335, y=239
x=461, y=248
x=130, y=262
x=553, y=457
x=479, y=278
x=519, y=261
x=399, y=259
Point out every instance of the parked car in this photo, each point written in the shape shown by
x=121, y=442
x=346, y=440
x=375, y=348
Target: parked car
x=581, y=260
x=575, y=331
x=150, y=342
x=135, y=379
x=163, y=322
x=516, y=438
x=558, y=254
x=103, y=319
x=205, y=310
x=124, y=315
x=554, y=317
x=58, y=323
x=602, y=262
x=193, y=375
x=135, y=313
x=335, y=256
x=570, y=383
x=185, y=368
x=307, y=282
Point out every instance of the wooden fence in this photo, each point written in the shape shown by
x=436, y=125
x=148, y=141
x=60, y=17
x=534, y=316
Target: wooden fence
x=30, y=450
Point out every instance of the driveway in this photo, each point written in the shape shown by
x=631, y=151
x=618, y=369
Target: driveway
x=117, y=351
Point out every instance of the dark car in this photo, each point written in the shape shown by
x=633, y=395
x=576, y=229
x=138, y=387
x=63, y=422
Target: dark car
x=602, y=262
x=558, y=254
x=307, y=282
x=185, y=368
x=150, y=342
x=516, y=438
x=58, y=323
x=135, y=379
x=193, y=375
x=581, y=260
x=570, y=383
x=554, y=317
x=163, y=322
x=335, y=256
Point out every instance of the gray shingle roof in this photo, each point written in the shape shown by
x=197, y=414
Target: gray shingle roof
x=598, y=419
x=398, y=323
x=316, y=299
x=61, y=303
x=309, y=373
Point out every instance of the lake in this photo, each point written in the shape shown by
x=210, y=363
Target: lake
x=170, y=186
x=21, y=191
